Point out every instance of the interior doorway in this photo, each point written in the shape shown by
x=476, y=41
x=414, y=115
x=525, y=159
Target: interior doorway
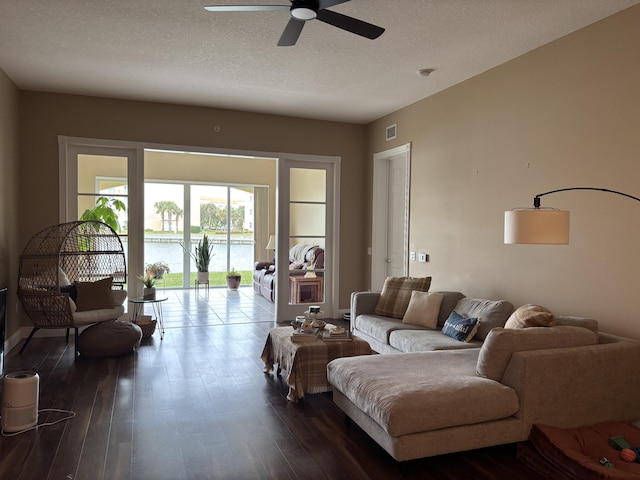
x=390, y=222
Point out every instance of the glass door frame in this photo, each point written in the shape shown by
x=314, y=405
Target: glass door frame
x=70, y=147
x=68, y=150
x=331, y=165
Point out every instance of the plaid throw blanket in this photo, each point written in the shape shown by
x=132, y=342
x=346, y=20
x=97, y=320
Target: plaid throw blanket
x=306, y=363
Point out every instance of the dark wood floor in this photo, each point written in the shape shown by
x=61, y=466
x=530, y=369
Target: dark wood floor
x=197, y=405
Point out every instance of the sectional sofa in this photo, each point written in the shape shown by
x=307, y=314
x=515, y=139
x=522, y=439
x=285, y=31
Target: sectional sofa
x=434, y=396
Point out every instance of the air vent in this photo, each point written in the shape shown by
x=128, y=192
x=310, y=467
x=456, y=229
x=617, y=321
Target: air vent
x=391, y=132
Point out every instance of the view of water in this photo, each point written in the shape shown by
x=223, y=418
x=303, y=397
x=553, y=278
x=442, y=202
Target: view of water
x=172, y=253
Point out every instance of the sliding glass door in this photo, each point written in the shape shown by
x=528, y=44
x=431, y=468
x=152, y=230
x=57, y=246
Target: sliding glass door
x=177, y=217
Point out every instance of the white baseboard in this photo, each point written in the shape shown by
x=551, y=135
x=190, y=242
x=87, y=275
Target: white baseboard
x=24, y=332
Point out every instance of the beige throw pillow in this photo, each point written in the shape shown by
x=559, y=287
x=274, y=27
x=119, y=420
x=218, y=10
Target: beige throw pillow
x=396, y=293
x=94, y=295
x=531, y=316
x=423, y=309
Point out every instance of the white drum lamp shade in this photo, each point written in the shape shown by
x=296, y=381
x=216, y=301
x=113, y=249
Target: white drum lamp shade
x=536, y=226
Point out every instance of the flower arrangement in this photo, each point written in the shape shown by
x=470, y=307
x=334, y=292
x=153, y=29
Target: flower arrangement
x=147, y=280
x=157, y=270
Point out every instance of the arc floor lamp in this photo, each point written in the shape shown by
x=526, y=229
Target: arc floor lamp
x=546, y=226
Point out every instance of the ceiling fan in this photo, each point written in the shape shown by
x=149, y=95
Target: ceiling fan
x=302, y=11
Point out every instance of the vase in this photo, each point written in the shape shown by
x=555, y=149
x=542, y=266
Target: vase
x=202, y=277
x=149, y=293
x=233, y=281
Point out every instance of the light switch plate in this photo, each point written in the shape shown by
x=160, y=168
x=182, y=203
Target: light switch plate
x=422, y=257
x=412, y=256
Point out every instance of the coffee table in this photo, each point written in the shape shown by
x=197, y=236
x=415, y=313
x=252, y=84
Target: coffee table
x=306, y=362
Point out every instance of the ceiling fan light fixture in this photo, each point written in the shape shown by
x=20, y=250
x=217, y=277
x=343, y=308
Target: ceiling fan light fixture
x=303, y=13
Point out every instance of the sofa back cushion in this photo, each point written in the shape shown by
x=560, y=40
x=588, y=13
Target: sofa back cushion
x=501, y=343
x=449, y=302
x=396, y=293
x=491, y=313
x=589, y=323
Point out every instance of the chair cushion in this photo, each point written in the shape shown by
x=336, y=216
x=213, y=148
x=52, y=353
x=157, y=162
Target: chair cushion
x=94, y=295
x=109, y=339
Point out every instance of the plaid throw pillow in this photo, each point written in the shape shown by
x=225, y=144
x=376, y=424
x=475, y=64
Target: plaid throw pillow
x=396, y=294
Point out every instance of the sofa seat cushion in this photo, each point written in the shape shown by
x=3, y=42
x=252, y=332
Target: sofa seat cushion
x=380, y=327
x=417, y=392
x=427, y=340
x=492, y=313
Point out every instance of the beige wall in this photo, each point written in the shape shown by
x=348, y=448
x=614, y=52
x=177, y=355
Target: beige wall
x=8, y=191
x=564, y=115
x=44, y=116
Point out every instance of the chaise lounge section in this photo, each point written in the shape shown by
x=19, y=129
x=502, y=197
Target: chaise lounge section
x=430, y=403
x=431, y=398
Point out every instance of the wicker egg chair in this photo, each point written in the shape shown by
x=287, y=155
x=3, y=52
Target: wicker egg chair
x=59, y=257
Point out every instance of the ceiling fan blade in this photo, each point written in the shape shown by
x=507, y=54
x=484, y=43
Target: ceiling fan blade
x=322, y=4
x=291, y=33
x=245, y=8
x=350, y=24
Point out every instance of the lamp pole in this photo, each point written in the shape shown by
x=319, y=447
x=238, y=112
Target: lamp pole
x=536, y=199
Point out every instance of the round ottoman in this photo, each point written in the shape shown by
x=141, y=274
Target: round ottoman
x=109, y=339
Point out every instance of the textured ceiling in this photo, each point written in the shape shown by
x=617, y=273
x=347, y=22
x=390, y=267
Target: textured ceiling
x=176, y=52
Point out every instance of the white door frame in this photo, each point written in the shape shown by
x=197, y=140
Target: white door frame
x=70, y=146
x=380, y=209
x=285, y=311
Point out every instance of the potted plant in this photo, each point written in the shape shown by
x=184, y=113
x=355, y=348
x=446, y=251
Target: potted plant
x=149, y=292
x=202, y=257
x=157, y=270
x=233, y=279
x=106, y=211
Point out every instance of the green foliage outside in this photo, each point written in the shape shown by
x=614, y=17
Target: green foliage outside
x=213, y=217
x=169, y=209
x=106, y=211
x=216, y=279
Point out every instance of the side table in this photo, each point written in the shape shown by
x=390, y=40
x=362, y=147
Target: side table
x=156, y=304
x=305, y=289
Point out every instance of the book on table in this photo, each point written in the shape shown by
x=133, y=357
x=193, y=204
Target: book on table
x=336, y=336
x=300, y=335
